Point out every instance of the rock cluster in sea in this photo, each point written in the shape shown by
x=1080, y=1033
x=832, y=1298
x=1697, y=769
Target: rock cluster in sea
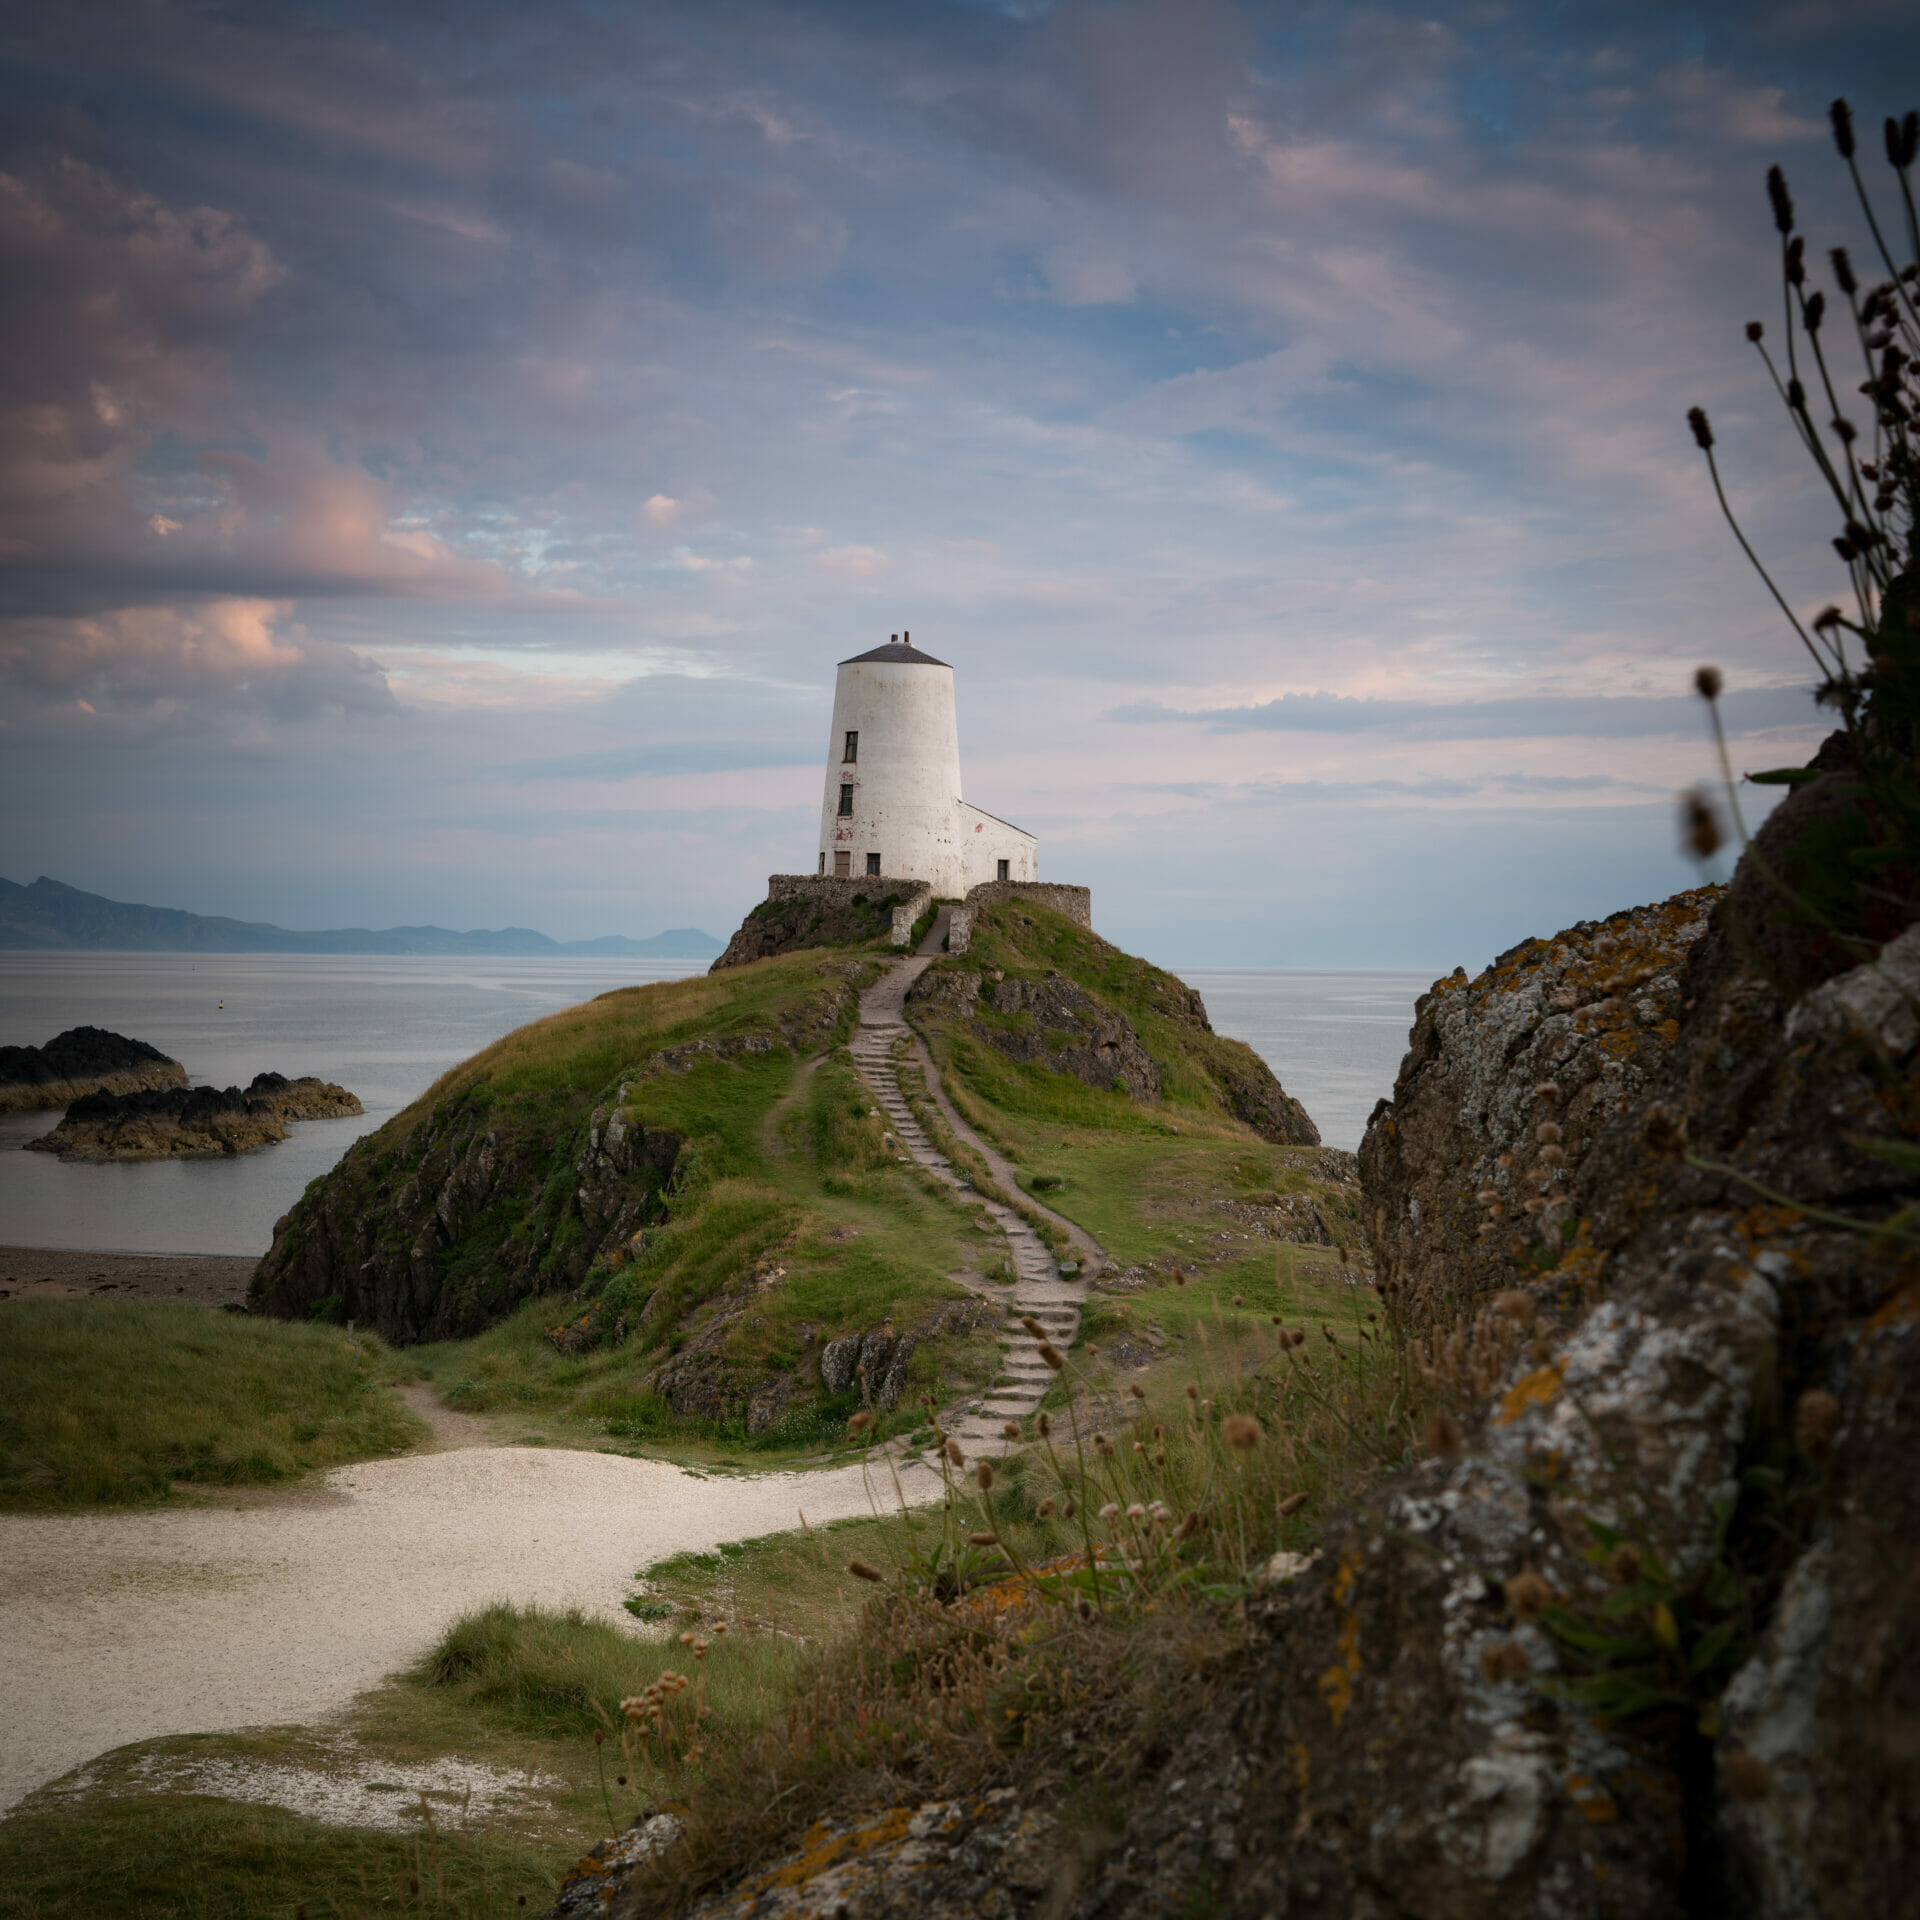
x=177, y=1122
x=81, y=1061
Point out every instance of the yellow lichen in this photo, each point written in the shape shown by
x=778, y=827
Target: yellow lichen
x=1536, y=1389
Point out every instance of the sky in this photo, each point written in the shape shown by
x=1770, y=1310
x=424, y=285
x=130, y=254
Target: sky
x=444, y=450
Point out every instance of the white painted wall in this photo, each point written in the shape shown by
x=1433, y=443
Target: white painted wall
x=906, y=784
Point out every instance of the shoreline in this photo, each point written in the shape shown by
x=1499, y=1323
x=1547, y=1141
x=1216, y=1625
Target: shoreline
x=185, y=1279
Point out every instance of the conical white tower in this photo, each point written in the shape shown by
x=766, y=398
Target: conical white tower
x=892, y=804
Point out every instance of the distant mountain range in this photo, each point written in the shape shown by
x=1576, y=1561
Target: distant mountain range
x=50, y=916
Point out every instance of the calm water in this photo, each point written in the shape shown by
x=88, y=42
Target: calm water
x=387, y=1028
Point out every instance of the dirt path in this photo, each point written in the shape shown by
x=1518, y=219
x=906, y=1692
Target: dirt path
x=279, y=1609
x=1040, y=1293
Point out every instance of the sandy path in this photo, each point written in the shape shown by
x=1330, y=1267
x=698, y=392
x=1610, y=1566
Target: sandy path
x=277, y=1609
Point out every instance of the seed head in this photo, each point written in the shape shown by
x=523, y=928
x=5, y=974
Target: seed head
x=1816, y=1419
x=1515, y=1306
x=1506, y=1660
x=1291, y=1505
x=1841, y=116
x=1137, y=1390
x=1700, y=833
x=1240, y=1301
x=1664, y=1133
x=1547, y=1133
x=1052, y=1355
x=1781, y=199
x=1045, y=1423
x=1443, y=1436
x=1045, y=1509
x=1136, y=1512
x=982, y=1540
x=1111, y=1511
x=1179, y=1276
x=1755, y=331
x=1626, y=1564
x=861, y=1571
x=1010, y=1430
x=1527, y=1595
x=1843, y=271
x=1708, y=682
x=984, y=1474
x=1193, y=1392
x=1702, y=431
x=1547, y=1090
x=956, y=1453
x=1033, y=1326
x=1241, y=1431
x=860, y=1422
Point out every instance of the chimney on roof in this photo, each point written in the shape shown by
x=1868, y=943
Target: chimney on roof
x=893, y=639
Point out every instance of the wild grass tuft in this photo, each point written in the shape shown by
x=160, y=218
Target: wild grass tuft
x=111, y=1404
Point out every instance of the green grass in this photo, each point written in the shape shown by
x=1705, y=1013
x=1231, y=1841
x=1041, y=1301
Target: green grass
x=798, y=1187
x=190, y=1857
x=112, y=1403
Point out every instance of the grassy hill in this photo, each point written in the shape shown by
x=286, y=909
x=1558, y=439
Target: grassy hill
x=649, y=1215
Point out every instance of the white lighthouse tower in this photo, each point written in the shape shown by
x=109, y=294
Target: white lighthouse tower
x=892, y=804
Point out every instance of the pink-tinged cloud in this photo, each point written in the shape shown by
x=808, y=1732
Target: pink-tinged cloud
x=250, y=654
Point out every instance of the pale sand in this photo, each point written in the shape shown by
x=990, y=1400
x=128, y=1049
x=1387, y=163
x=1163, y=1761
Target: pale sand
x=278, y=1609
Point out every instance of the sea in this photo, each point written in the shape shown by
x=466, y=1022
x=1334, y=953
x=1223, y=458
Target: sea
x=386, y=1028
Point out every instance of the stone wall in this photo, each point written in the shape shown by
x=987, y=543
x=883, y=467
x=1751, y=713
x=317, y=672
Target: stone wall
x=834, y=892
x=1075, y=902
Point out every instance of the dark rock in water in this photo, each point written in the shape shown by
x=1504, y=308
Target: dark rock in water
x=161, y=1123
x=81, y=1061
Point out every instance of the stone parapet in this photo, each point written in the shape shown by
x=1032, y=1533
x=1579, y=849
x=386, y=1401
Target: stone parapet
x=1075, y=902
x=853, y=890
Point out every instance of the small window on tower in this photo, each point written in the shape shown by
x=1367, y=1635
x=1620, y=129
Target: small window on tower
x=853, y=748
x=873, y=863
x=846, y=800
x=842, y=865
x=823, y=860
x=1002, y=873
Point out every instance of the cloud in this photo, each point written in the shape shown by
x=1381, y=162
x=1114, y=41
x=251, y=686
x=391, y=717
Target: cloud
x=851, y=563
x=239, y=654
x=1541, y=716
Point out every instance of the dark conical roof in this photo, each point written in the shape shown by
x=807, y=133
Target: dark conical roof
x=901, y=652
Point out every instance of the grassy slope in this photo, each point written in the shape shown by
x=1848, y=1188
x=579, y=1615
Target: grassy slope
x=786, y=1172
x=1161, y=1185
x=112, y=1403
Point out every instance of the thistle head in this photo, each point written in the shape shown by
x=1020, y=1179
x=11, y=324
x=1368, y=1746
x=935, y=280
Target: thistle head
x=1708, y=682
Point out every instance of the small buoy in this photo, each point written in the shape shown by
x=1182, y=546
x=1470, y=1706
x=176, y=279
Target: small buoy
x=221, y=1008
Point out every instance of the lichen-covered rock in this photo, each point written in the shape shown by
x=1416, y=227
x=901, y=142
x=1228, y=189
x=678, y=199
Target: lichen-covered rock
x=1507, y=1081
x=972, y=1859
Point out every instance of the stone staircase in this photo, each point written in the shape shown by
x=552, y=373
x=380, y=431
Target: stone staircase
x=1040, y=1291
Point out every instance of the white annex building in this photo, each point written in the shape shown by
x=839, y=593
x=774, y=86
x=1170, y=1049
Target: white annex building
x=892, y=803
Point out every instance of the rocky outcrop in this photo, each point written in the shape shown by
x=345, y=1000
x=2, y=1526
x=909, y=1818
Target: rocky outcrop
x=437, y=1237
x=1636, y=1636
x=818, y=913
x=81, y=1061
x=522, y=1177
x=1050, y=1021
x=1508, y=1080
x=192, y=1123
x=700, y=1382
x=1053, y=1021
